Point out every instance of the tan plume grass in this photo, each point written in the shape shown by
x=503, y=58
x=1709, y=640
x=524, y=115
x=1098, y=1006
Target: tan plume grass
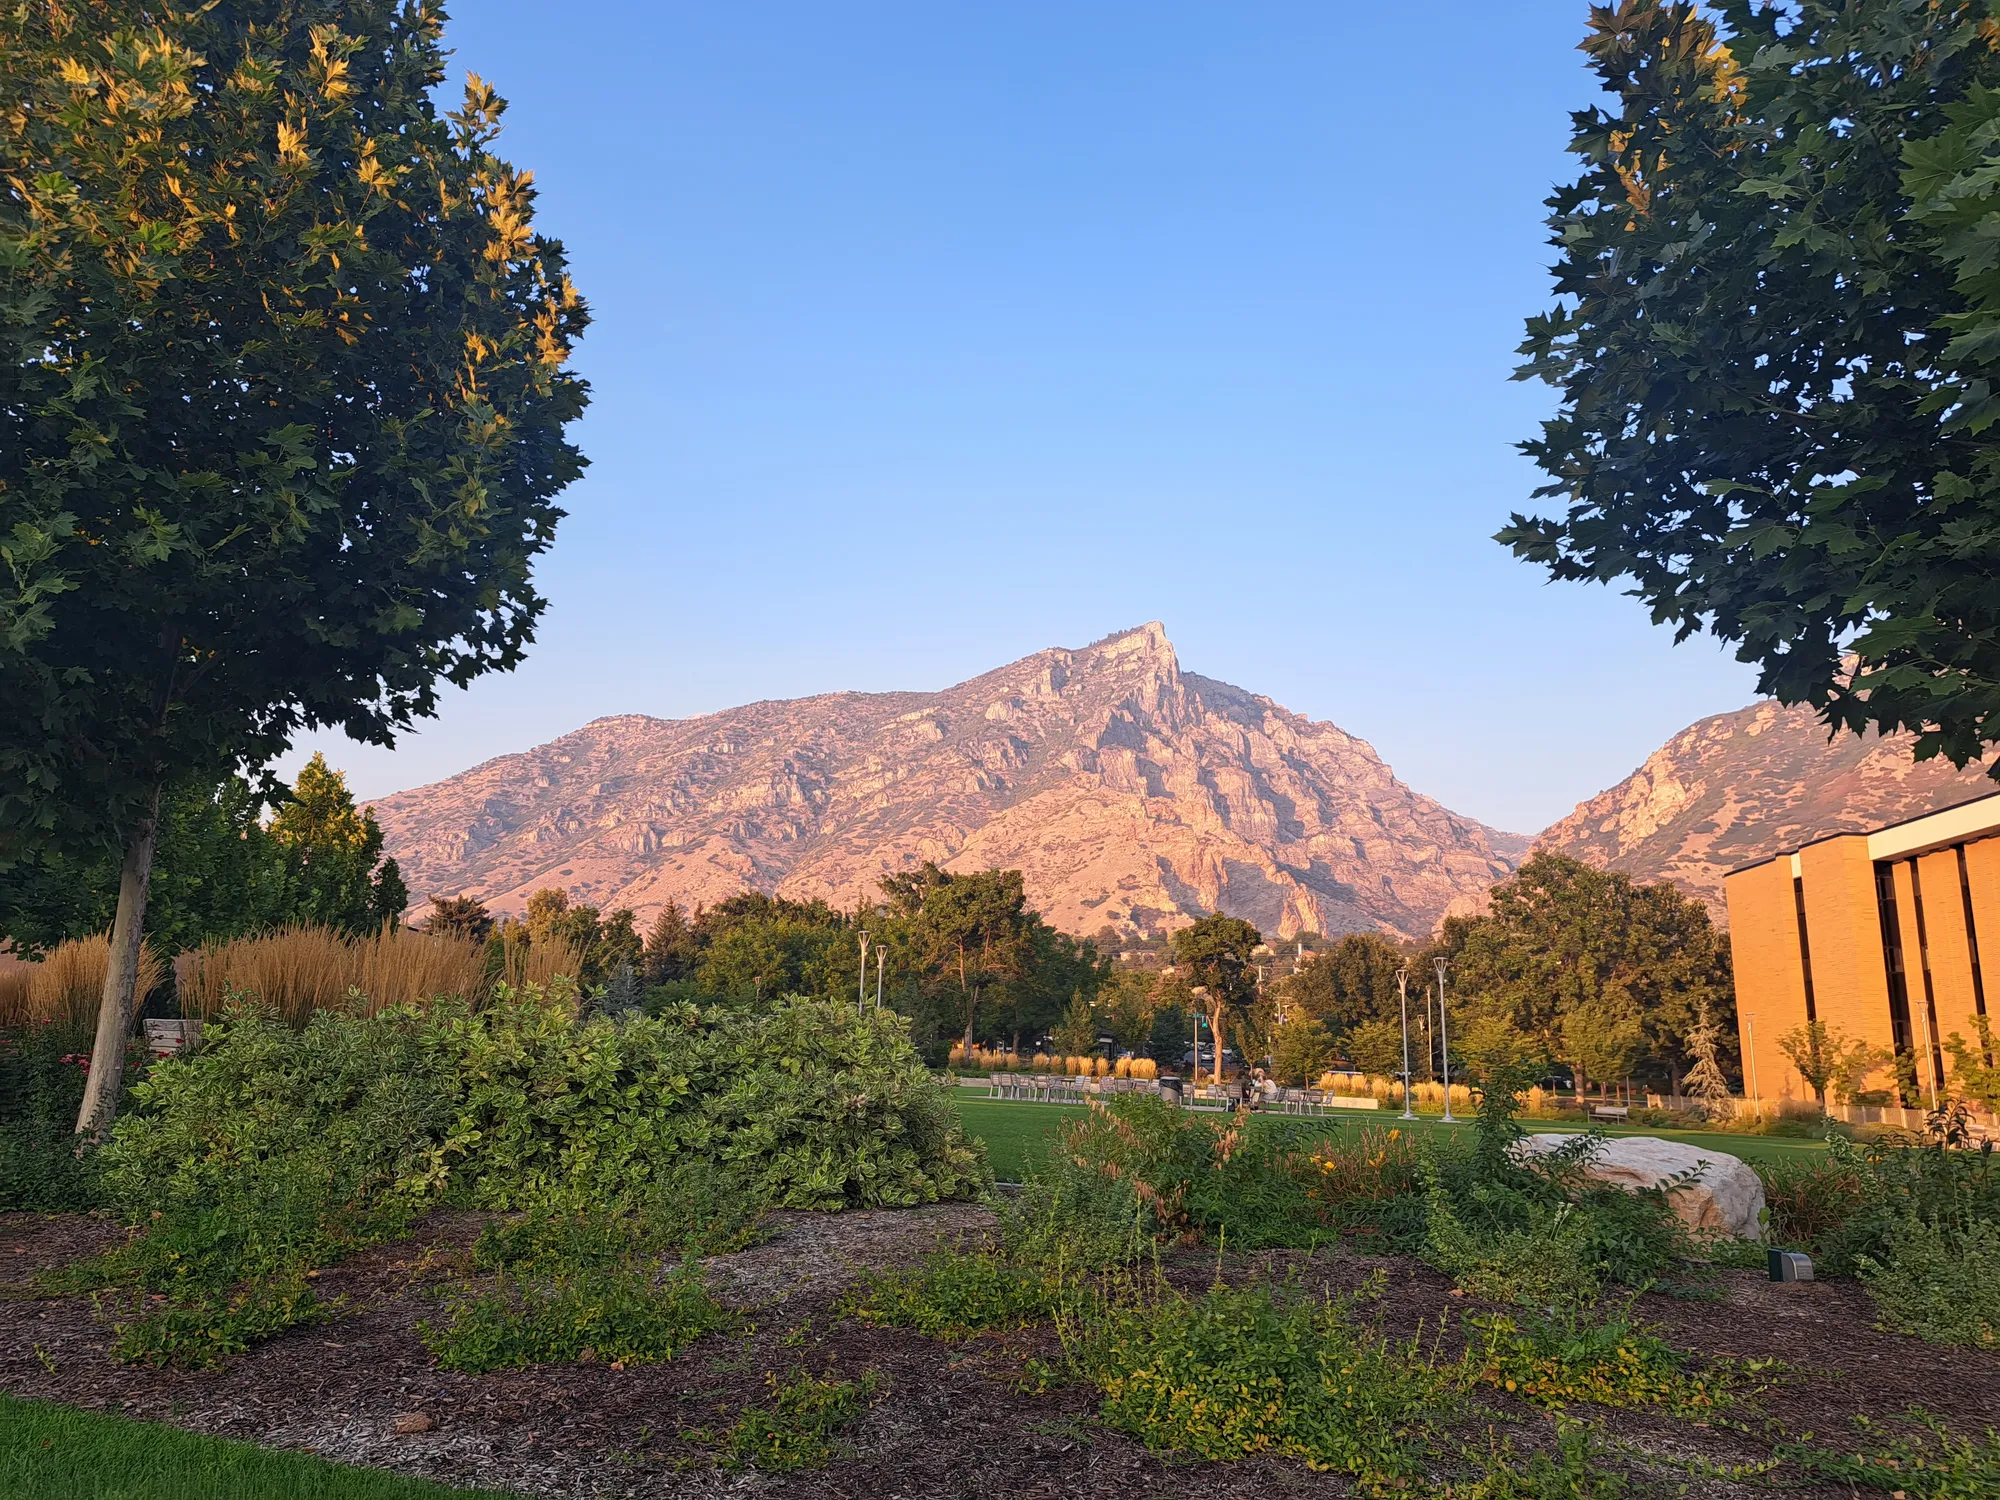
x=297, y=970
x=14, y=974
x=66, y=987
x=402, y=965
x=538, y=962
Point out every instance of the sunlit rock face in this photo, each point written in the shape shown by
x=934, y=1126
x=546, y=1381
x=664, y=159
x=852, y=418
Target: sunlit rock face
x=1132, y=794
x=1741, y=786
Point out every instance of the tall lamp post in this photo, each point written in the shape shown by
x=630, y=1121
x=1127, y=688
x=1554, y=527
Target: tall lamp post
x=861, y=988
x=1409, y=1093
x=1444, y=1041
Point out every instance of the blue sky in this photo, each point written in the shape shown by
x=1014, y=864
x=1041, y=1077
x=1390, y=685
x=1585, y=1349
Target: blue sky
x=931, y=335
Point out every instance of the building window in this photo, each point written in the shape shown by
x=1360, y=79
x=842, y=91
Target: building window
x=1805, y=945
x=1972, y=938
x=1932, y=1044
x=1892, y=960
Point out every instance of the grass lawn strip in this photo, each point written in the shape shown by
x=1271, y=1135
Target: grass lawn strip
x=1017, y=1132
x=58, y=1453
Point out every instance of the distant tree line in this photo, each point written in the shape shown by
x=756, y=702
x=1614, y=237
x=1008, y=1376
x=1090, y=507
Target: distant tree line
x=1594, y=976
x=962, y=955
x=222, y=869
x=1597, y=976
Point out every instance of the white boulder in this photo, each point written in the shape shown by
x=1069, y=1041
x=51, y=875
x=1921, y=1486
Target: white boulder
x=1727, y=1197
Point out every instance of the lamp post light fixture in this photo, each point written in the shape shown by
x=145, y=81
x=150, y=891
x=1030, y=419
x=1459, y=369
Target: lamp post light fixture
x=881, y=957
x=1409, y=1090
x=1444, y=1041
x=861, y=986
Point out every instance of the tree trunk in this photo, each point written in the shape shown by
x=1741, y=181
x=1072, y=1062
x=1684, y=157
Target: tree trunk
x=121, y=972
x=971, y=1002
x=1215, y=1033
x=1577, y=1069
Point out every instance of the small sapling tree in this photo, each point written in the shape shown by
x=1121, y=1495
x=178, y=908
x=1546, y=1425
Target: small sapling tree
x=1215, y=951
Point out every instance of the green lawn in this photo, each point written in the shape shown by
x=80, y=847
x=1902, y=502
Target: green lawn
x=57, y=1453
x=1017, y=1132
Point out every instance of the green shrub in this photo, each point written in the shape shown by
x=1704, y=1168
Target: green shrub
x=1542, y=1233
x=956, y=1293
x=809, y=1104
x=1942, y=1286
x=206, y=1281
x=294, y=1219
x=1114, y=1184
x=1558, y=1358
x=1531, y=1252
x=622, y=1314
x=1895, y=1182
x=695, y=1208
x=1928, y=1463
x=1635, y=1239
x=41, y=1171
x=42, y=1070
x=269, y=1151
x=199, y=1330
x=1237, y=1372
x=355, y=1105
x=1136, y=1173
x=798, y=1430
x=1575, y=1471
x=1809, y=1198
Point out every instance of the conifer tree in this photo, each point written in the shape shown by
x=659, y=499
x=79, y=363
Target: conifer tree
x=333, y=856
x=1705, y=1080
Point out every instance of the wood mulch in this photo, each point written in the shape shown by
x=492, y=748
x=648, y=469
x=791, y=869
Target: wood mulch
x=955, y=1419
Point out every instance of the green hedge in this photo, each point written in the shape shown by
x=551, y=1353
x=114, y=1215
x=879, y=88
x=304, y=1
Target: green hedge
x=809, y=1104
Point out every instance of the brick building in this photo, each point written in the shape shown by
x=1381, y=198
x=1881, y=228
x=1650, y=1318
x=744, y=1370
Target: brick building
x=1876, y=934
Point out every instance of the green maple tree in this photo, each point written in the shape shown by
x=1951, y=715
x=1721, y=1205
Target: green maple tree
x=282, y=409
x=1776, y=336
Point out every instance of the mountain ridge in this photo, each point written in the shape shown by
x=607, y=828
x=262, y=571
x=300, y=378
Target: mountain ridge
x=1740, y=786
x=1131, y=793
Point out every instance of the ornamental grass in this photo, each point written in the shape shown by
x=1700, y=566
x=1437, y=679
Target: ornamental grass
x=298, y=970
x=65, y=988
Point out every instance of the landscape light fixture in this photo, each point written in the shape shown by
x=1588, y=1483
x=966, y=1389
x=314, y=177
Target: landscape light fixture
x=1409, y=1093
x=1444, y=1041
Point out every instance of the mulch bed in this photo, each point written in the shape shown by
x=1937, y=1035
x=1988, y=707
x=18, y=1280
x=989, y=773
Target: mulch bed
x=954, y=1420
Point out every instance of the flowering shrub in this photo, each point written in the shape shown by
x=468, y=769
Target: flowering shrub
x=41, y=1088
x=1379, y=1165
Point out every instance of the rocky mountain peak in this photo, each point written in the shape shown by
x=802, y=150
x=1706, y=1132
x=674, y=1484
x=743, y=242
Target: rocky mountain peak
x=1131, y=794
x=1741, y=786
